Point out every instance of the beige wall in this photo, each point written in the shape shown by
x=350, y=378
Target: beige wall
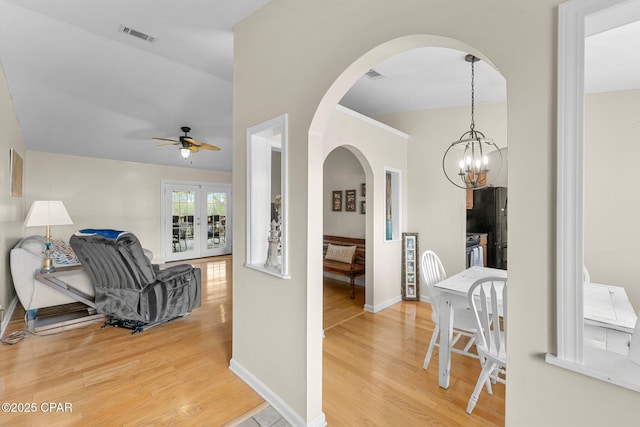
x=300, y=58
x=611, y=229
x=375, y=148
x=342, y=171
x=100, y=193
x=12, y=209
x=437, y=209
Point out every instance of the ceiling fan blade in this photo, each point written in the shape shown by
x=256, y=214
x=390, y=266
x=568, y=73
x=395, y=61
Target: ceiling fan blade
x=194, y=148
x=166, y=139
x=206, y=146
x=164, y=145
x=192, y=141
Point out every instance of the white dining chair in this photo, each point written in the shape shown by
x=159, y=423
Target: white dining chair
x=463, y=321
x=586, y=277
x=488, y=301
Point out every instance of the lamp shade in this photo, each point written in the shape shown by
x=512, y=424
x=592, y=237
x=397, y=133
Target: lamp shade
x=47, y=212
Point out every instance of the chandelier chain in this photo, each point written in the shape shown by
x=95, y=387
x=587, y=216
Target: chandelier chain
x=473, y=93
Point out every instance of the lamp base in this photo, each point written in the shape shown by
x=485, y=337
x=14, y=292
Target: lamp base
x=47, y=267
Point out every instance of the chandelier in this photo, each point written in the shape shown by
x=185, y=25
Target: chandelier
x=471, y=152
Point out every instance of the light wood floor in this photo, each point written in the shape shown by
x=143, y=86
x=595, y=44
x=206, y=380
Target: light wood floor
x=177, y=373
x=373, y=376
x=338, y=307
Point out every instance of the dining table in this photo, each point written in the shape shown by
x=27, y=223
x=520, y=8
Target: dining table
x=453, y=294
x=609, y=318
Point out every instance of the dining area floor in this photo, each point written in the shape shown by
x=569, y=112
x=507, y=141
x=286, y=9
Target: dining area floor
x=373, y=374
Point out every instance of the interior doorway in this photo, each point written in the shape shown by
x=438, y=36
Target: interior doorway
x=344, y=175
x=196, y=220
x=423, y=160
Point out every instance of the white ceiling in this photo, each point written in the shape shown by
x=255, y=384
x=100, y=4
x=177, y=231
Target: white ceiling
x=612, y=59
x=433, y=77
x=80, y=86
x=424, y=78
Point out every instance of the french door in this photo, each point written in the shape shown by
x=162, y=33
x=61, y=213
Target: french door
x=196, y=220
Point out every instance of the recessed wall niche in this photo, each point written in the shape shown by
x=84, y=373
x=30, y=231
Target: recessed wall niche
x=267, y=197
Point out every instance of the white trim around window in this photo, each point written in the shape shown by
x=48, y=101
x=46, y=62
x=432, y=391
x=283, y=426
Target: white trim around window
x=576, y=19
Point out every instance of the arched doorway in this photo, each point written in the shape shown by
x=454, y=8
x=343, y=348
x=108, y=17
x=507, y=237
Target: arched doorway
x=344, y=173
x=318, y=144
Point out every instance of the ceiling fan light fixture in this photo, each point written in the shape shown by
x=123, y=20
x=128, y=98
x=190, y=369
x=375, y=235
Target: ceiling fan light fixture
x=187, y=144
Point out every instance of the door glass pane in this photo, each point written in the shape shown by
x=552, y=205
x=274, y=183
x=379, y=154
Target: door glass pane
x=182, y=211
x=216, y=219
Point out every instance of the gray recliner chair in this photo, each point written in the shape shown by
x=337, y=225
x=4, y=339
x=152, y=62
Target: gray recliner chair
x=129, y=289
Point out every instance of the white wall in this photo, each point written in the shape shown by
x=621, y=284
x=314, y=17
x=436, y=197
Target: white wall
x=12, y=209
x=342, y=171
x=612, y=205
x=309, y=54
x=100, y=193
x=436, y=208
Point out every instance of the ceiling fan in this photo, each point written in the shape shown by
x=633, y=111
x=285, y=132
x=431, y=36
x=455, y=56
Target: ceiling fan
x=187, y=144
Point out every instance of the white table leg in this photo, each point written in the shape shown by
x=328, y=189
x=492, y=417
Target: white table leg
x=446, y=335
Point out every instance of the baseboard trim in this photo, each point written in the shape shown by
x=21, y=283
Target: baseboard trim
x=274, y=400
x=8, y=315
x=380, y=307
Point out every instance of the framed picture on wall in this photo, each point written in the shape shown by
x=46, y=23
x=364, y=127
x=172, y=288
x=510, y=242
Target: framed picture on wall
x=350, y=205
x=410, y=267
x=15, y=177
x=363, y=189
x=363, y=207
x=336, y=201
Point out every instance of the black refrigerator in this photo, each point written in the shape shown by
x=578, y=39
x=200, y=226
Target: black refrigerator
x=489, y=215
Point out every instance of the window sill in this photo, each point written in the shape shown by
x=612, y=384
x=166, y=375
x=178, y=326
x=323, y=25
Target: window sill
x=603, y=365
x=271, y=271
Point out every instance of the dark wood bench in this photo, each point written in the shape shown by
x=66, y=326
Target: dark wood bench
x=351, y=270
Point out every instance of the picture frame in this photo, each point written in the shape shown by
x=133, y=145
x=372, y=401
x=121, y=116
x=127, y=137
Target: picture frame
x=350, y=201
x=363, y=189
x=336, y=201
x=363, y=207
x=15, y=177
x=410, y=267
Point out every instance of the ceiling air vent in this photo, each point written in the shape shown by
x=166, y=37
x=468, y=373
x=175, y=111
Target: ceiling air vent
x=373, y=74
x=138, y=34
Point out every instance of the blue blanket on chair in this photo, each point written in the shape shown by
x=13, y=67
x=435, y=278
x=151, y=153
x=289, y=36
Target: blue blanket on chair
x=104, y=232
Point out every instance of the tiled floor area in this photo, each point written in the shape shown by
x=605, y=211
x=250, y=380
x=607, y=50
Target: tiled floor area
x=268, y=417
